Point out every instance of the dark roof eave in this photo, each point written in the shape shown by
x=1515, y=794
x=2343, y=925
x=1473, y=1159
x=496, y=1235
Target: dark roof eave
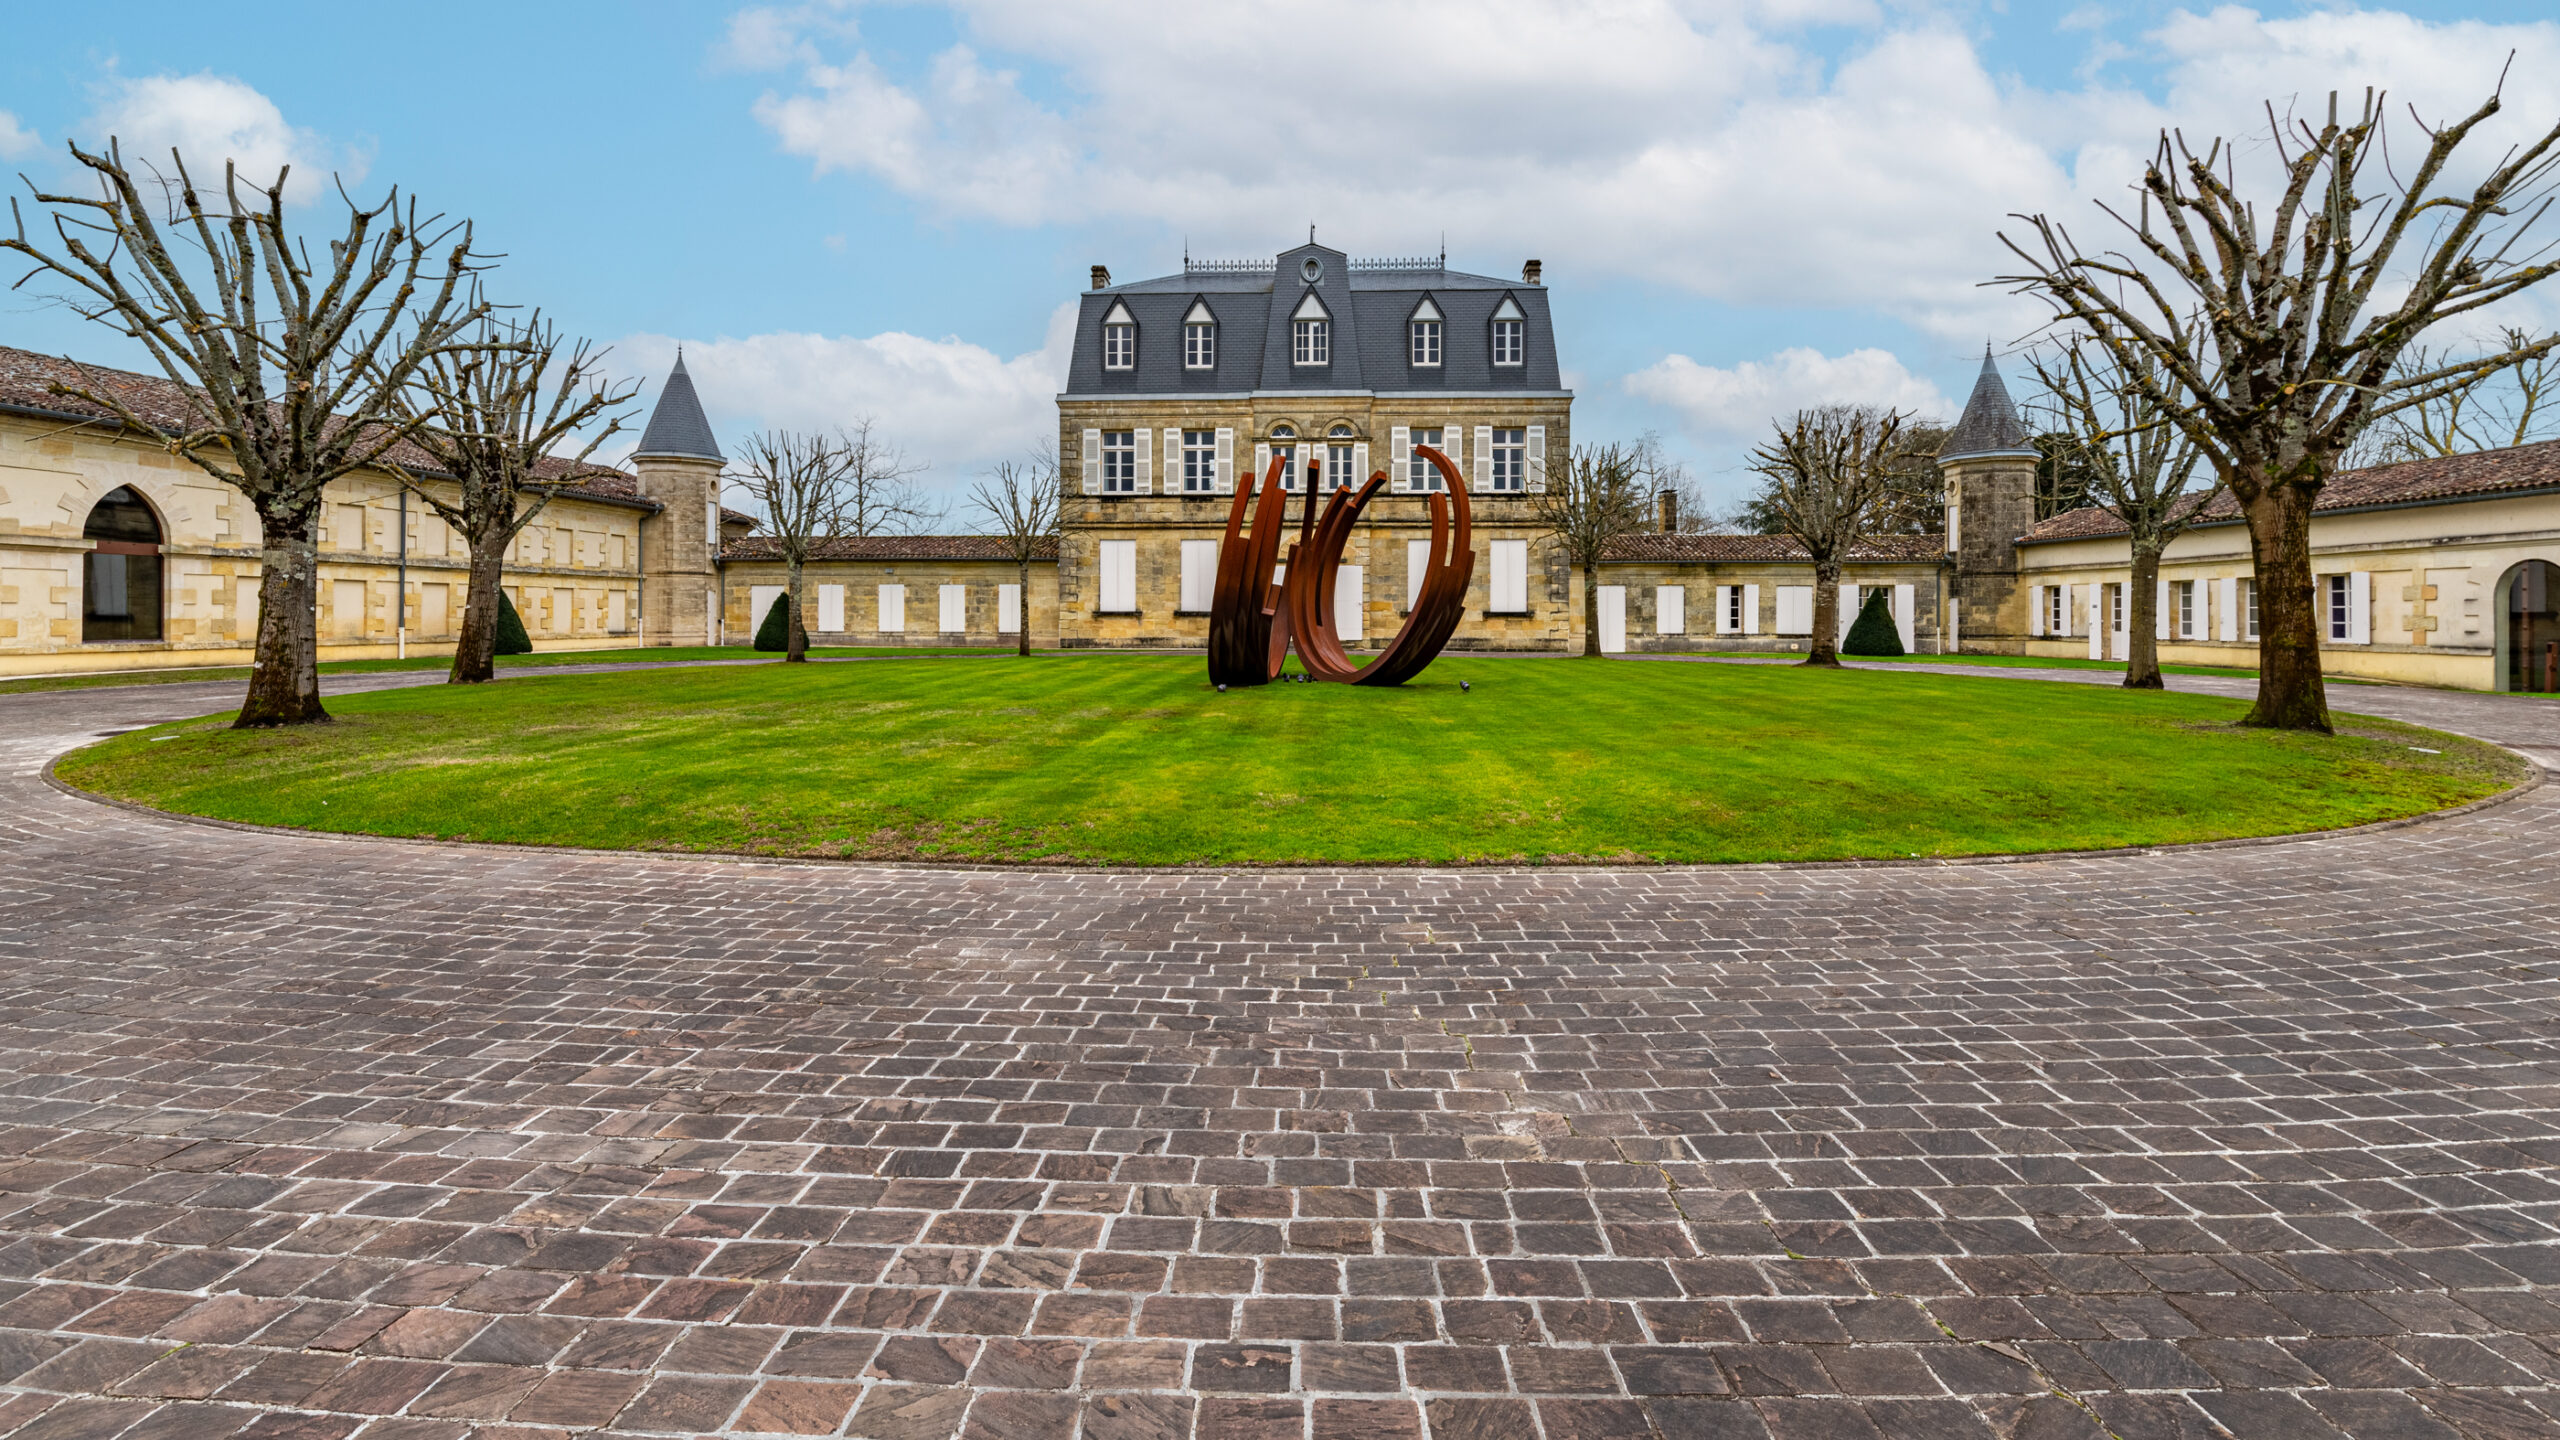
x=2468, y=497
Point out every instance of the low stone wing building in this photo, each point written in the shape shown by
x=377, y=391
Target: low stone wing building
x=899, y=590
x=1667, y=592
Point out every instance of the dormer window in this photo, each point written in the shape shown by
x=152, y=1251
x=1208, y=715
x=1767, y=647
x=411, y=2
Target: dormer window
x=1425, y=334
x=1510, y=328
x=1119, y=338
x=1199, y=338
x=1311, y=333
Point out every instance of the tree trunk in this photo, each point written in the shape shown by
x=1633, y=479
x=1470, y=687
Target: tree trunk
x=795, y=644
x=1591, y=610
x=284, y=682
x=2142, y=610
x=1022, y=620
x=475, y=651
x=2290, y=693
x=1825, y=649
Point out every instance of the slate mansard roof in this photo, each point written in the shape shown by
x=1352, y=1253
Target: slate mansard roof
x=1369, y=303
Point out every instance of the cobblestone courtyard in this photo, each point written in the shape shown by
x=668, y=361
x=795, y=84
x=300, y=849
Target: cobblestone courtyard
x=314, y=1138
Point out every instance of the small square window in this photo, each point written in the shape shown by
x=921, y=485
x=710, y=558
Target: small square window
x=1426, y=342
x=1119, y=347
x=1119, y=462
x=1507, y=342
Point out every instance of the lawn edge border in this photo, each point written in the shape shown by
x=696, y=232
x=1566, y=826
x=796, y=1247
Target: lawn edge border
x=2534, y=779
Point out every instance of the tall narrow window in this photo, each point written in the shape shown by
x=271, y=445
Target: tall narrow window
x=1311, y=333
x=2057, y=600
x=1425, y=334
x=120, y=599
x=1199, y=462
x=1509, y=337
x=1337, y=458
x=2185, y=594
x=2249, y=606
x=1510, y=460
x=1420, y=473
x=1119, y=462
x=1119, y=338
x=1284, y=443
x=1199, y=338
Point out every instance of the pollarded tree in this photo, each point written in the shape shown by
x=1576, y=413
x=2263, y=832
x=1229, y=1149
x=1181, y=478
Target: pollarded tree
x=2516, y=402
x=291, y=371
x=498, y=423
x=1019, y=498
x=802, y=482
x=2284, y=319
x=2137, y=463
x=1821, y=480
x=1595, y=497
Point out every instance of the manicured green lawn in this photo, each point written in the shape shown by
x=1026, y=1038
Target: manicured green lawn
x=1137, y=760
x=660, y=655
x=2014, y=662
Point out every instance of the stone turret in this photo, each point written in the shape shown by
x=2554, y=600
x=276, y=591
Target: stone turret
x=1989, y=464
x=679, y=463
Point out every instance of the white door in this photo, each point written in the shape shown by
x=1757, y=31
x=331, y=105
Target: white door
x=1008, y=609
x=955, y=609
x=1350, y=600
x=893, y=609
x=759, y=603
x=1613, y=619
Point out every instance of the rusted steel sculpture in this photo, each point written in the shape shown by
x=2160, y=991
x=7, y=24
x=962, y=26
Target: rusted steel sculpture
x=1255, y=621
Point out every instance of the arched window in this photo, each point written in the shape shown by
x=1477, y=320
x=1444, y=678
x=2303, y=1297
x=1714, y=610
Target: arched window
x=120, y=596
x=1337, y=458
x=1284, y=443
x=2531, y=633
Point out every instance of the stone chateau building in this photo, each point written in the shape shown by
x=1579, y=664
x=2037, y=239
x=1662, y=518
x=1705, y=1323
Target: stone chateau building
x=114, y=554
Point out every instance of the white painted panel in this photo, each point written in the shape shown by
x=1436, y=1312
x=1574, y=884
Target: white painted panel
x=1417, y=564
x=1724, y=610
x=2160, y=611
x=1349, y=603
x=1671, y=609
x=1795, y=609
x=1904, y=601
x=2097, y=622
x=893, y=609
x=1509, y=589
x=1848, y=612
x=2035, y=610
x=2360, y=608
x=1091, y=471
x=1119, y=576
x=2230, y=607
x=1613, y=619
x=760, y=600
x=831, y=609
x=1750, y=609
x=1199, y=574
x=955, y=608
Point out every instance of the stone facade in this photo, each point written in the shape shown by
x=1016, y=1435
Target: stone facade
x=920, y=567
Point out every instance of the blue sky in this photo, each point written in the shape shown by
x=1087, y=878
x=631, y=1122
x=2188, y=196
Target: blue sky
x=850, y=209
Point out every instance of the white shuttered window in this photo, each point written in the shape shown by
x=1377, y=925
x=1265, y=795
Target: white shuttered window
x=1670, y=610
x=893, y=609
x=1008, y=609
x=1508, y=589
x=1119, y=593
x=1417, y=563
x=1199, y=574
x=955, y=608
x=1795, y=609
x=1350, y=606
x=831, y=609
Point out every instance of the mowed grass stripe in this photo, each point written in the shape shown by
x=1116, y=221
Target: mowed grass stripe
x=1136, y=760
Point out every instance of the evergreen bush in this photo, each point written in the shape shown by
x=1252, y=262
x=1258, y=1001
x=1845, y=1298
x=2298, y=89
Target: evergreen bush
x=512, y=639
x=1874, y=634
x=775, y=633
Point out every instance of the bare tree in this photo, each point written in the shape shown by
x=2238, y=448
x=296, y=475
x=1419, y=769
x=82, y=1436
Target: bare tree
x=498, y=416
x=1825, y=473
x=1914, y=501
x=2515, y=403
x=804, y=484
x=291, y=372
x=2283, y=322
x=2138, y=465
x=1019, y=499
x=1597, y=495
x=881, y=496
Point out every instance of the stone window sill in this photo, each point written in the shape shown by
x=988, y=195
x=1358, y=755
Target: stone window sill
x=1123, y=614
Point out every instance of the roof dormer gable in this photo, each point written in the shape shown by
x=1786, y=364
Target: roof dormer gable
x=1509, y=309
x=1119, y=314
x=1200, y=314
x=1311, y=308
x=1426, y=311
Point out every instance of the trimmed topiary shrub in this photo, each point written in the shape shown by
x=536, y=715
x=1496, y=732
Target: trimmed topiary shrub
x=511, y=637
x=1874, y=634
x=775, y=633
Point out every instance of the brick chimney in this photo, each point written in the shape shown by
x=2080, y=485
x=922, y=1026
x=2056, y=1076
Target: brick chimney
x=1101, y=277
x=1668, y=503
x=1529, y=274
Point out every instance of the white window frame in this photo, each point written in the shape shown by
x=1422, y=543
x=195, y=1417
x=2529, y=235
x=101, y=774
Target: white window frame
x=1421, y=476
x=2057, y=609
x=1199, y=462
x=1425, y=344
x=2337, y=608
x=1119, y=462
x=1510, y=342
x=2182, y=594
x=1120, y=347
x=2249, y=606
x=1310, y=342
x=1199, y=347
x=1510, y=460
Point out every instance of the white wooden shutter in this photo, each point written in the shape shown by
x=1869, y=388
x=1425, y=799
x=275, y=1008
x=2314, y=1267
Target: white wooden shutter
x=1537, y=459
x=1199, y=574
x=1848, y=612
x=1092, y=468
x=1119, y=576
x=1227, y=461
x=760, y=601
x=1671, y=610
x=1750, y=609
x=1359, y=464
x=2065, y=619
x=1173, y=477
x=1262, y=467
x=2230, y=607
x=1724, y=609
x=1142, y=443
x=2160, y=613
x=1350, y=598
x=2035, y=609
x=1417, y=563
x=1400, y=462
x=831, y=609
x=1483, y=478
x=1509, y=590
x=1008, y=609
x=893, y=609
x=1904, y=598
x=2097, y=622
x=954, y=602
x=2360, y=607
x=1453, y=443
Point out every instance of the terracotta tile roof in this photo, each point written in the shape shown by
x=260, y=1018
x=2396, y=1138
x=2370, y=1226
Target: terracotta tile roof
x=26, y=379
x=887, y=547
x=1712, y=549
x=2438, y=479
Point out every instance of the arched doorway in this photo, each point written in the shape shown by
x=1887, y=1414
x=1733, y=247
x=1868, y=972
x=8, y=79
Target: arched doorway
x=120, y=599
x=2529, y=629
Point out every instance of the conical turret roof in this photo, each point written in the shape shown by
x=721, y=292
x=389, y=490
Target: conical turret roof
x=678, y=428
x=1990, y=425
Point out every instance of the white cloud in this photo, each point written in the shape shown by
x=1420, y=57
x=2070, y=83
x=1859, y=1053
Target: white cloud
x=954, y=404
x=1706, y=147
x=208, y=119
x=1738, y=402
x=16, y=139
